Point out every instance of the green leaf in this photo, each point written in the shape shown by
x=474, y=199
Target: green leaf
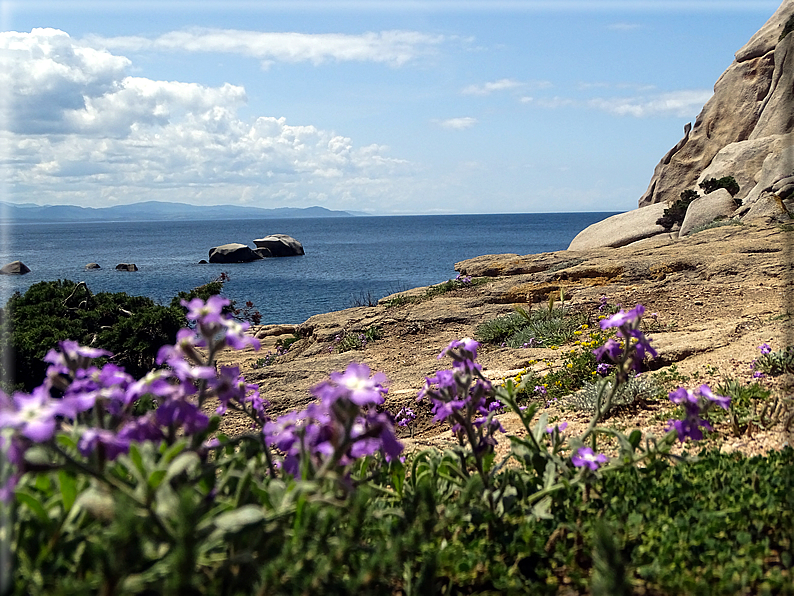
x=183, y=462
x=68, y=489
x=66, y=441
x=239, y=518
x=634, y=438
x=540, y=427
x=156, y=479
x=32, y=503
x=171, y=452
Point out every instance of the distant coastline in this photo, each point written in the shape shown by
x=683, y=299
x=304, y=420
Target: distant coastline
x=153, y=211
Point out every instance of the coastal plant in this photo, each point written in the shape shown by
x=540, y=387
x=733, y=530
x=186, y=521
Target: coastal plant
x=727, y=182
x=347, y=341
x=676, y=212
x=460, y=281
x=638, y=388
x=752, y=407
x=540, y=327
x=719, y=223
x=774, y=362
x=321, y=500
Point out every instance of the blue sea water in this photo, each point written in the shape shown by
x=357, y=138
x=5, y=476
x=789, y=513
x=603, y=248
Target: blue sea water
x=346, y=258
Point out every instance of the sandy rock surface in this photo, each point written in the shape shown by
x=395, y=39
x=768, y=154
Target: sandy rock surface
x=717, y=295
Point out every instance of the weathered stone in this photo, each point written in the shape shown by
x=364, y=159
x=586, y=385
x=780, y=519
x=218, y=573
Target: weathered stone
x=14, y=268
x=264, y=253
x=280, y=245
x=126, y=267
x=777, y=164
x=232, y=253
x=203, y=262
x=778, y=186
x=715, y=205
x=621, y=229
x=742, y=160
x=752, y=100
x=93, y=266
x=768, y=207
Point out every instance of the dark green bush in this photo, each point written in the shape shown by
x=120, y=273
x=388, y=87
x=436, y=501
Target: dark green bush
x=727, y=182
x=131, y=327
x=676, y=212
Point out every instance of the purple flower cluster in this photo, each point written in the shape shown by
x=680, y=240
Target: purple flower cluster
x=464, y=279
x=695, y=404
x=586, y=458
x=405, y=417
x=96, y=403
x=628, y=329
x=342, y=426
x=462, y=396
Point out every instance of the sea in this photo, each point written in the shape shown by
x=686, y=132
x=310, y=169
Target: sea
x=349, y=261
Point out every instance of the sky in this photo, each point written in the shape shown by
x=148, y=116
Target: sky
x=384, y=107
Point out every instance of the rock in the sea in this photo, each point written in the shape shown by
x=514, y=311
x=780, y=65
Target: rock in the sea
x=714, y=206
x=203, y=262
x=93, y=266
x=14, y=268
x=752, y=101
x=126, y=267
x=280, y=245
x=232, y=253
x=621, y=229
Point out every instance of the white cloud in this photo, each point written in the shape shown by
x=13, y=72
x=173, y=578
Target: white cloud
x=83, y=129
x=623, y=26
x=390, y=47
x=458, y=123
x=503, y=85
x=675, y=103
x=488, y=88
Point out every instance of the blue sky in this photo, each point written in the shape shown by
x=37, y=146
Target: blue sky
x=383, y=107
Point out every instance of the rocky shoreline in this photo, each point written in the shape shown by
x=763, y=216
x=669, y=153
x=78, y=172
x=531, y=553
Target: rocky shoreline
x=717, y=295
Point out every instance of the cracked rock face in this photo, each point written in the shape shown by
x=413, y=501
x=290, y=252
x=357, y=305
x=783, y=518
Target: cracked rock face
x=749, y=118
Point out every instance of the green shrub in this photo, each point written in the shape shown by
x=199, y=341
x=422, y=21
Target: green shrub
x=638, y=388
x=541, y=327
x=776, y=363
x=675, y=213
x=727, y=182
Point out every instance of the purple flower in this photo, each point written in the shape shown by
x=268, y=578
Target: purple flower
x=603, y=368
x=623, y=317
x=758, y=374
x=694, y=405
x=540, y=390
x=721, y=400
x=466, y=345
x=559, y=428
x=585, y=457
x=112, y=444
x=765, y=348
x=355, y=384
x=208, y=312
x=34, y=415
x=611, y=348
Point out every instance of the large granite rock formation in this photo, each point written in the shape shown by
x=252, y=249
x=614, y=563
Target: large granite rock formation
x=278, y=245
x=126, y=267
x=746, y=131
x=748, y=118
x=232, y=253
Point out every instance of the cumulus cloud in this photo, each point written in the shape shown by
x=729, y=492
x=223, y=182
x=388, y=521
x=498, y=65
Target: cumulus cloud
x=82, y=128
x=458, y=123
x=390, y=47
x=675, y=103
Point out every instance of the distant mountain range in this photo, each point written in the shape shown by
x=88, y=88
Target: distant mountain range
x=152, y=211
